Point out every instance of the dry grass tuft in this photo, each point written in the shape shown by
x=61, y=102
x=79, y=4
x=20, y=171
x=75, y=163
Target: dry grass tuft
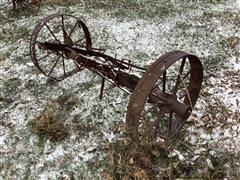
x=127, y=160
x=48, y=125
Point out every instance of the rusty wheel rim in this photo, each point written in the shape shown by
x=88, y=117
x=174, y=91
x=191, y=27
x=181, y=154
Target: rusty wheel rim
x=188, y=74
x=54, y=29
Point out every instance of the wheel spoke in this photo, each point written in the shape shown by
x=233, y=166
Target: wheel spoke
x=48, y=54
x=63, y=63
x=79, y=24
x=73, y=29
x=40, y=43
x=178, y=80
x=69, y=73
x=54, y=66
x=164, y=81
x=78, y=41
x=187, y=92
x=182, y=79
x=79, y=66
x=186, y=75
x=62, y=18
x=51, y=32
x=63, y=29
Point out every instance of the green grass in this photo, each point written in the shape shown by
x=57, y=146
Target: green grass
x=11, y=86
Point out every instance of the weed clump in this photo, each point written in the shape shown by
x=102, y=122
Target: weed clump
x=48, y=125
x=129, y=161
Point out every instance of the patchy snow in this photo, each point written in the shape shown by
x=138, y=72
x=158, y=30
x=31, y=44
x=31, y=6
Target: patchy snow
x=238, y=4
x=178, y=154
x=234, y=63
x=193, y=29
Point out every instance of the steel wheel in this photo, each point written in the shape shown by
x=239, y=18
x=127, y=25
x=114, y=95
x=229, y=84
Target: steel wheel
x=61, y=29
x=176, y=75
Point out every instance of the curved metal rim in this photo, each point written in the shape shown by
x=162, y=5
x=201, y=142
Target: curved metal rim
x=146, y=83
x=38, y=28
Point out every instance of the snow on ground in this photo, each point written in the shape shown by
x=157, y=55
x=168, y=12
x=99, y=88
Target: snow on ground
x=203, y=29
